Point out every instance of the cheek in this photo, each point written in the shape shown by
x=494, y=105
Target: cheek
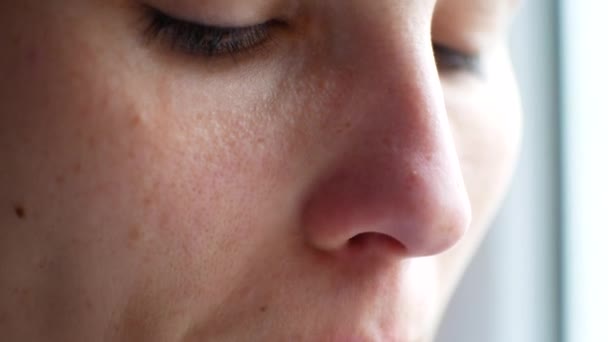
x=486, y=122
x=487, y=164
x=487, y=156
x=240, y=143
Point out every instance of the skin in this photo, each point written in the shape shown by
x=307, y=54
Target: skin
x=330, y=187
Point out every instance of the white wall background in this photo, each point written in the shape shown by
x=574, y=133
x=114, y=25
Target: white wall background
x=585, y=104
x=511, y=292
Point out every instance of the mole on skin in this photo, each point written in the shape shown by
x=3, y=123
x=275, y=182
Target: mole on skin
x=20, y=211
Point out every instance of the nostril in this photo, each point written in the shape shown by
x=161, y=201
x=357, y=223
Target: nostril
x=376, y=242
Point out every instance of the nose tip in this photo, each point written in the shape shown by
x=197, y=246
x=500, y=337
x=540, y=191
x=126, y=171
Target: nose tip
x=387, y=210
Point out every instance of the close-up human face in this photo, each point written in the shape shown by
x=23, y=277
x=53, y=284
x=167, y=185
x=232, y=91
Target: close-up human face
x=268, y=170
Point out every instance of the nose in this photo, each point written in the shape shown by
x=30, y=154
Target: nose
x=393, y=184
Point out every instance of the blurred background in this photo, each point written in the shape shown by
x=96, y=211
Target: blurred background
x=540, y=275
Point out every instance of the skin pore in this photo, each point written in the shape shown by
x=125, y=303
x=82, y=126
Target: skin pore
x=171, y=174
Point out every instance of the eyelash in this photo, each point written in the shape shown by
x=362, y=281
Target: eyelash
x=450, y=60
x=204, y=40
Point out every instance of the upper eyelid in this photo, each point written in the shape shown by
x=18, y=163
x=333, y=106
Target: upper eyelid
x=161, y=21
x=170, y=19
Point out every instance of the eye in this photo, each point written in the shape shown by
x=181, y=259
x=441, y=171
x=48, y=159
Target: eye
x=205, y=40
x=451, y=60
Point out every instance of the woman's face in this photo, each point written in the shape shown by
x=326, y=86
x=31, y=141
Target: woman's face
x=268, y=170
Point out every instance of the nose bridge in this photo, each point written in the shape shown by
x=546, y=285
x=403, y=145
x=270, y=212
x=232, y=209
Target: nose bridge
x=398, y=104
x=393, y=74
x=399, y=175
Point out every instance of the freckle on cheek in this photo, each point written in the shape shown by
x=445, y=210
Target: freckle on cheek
x=135, y=121
x=134, y=235
x=60, y=180
x=89, y=305
x=20, y=211
x=43, y=264
x=147, y=201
